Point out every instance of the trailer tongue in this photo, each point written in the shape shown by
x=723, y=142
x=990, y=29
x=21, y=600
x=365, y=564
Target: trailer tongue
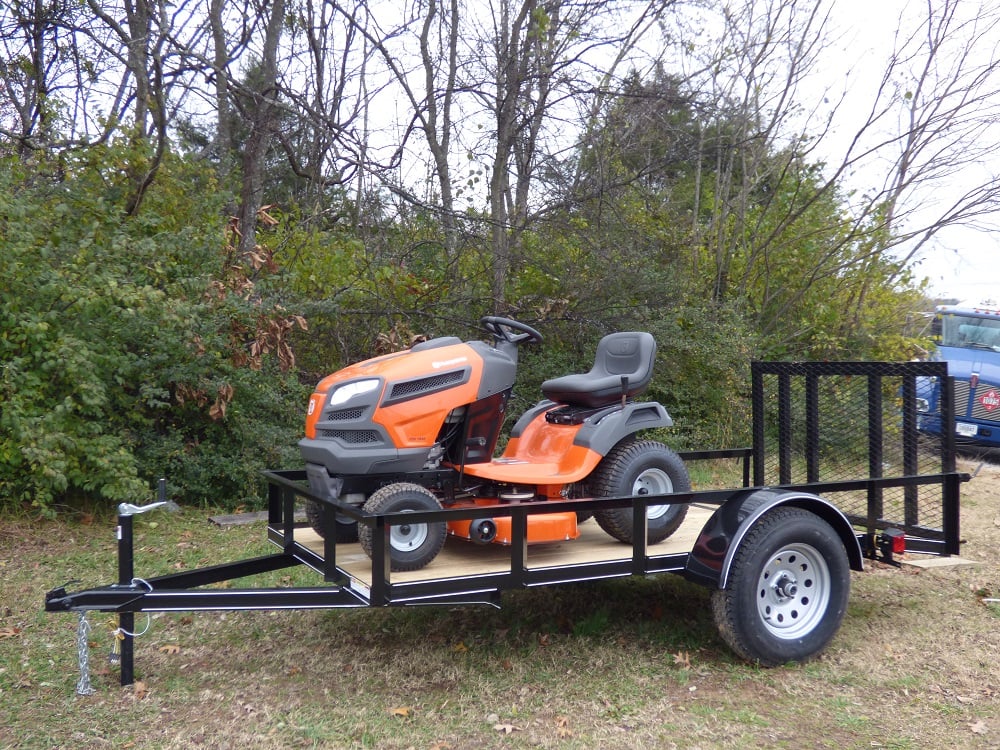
x=838, y=472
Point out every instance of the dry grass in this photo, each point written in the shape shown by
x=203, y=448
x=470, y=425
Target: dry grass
x=627, y=664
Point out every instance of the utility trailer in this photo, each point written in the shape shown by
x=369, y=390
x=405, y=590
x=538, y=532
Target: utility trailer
x=838, y=472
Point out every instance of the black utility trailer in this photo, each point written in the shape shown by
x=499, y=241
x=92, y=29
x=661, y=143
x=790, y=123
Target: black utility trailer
x=837, y=473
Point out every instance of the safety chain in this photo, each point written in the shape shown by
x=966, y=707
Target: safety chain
x=83, y=686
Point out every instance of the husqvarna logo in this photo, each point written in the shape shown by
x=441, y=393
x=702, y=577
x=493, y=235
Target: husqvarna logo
x=990, y=400
x=312, y=406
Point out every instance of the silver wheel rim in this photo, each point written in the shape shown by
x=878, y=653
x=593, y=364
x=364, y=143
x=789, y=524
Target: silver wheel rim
x=406, y=537
x=793, y=591
x=654, y=482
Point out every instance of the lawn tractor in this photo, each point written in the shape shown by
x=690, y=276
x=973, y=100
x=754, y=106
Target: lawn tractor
x=416, y=430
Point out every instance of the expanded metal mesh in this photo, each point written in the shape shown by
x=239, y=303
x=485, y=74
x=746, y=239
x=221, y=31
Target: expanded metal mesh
x=846, y=424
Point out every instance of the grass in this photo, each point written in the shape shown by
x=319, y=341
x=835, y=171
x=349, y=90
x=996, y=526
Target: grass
x=620, y=664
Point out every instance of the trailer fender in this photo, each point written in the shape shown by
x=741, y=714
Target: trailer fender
x=711, y=559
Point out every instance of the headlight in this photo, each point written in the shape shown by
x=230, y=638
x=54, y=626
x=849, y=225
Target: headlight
x=923, y=405
x=346, y=392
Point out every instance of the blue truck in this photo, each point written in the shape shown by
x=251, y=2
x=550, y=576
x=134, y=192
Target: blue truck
x=968, y=339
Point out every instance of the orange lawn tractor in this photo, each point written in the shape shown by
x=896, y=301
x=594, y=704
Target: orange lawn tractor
x=416, y=431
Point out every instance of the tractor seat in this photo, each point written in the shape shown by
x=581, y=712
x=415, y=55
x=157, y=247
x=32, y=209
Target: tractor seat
x=630, y=355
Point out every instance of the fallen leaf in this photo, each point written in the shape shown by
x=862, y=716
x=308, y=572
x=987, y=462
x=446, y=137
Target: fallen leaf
x=460, y=648
x=978, y=728
x=506, y=728
x=139, y=689
x=9, y=632
x=403, y=712
x=683, y=659
x=562, y=728
x=170, y=648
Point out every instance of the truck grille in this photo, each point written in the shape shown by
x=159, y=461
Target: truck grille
x=961, y=398
x=979, y=410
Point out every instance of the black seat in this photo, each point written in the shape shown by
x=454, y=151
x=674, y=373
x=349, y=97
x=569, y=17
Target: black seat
x=630, y=355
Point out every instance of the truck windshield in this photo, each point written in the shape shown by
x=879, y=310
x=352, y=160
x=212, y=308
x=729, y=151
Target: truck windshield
x=970, y=333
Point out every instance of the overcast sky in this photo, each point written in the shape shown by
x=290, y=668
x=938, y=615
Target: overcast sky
x=960, y=262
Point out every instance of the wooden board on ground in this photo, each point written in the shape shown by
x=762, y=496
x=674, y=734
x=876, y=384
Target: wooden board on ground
x=461, y=557
x=932, y=561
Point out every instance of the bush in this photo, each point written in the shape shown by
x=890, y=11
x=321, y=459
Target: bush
x=129, y=352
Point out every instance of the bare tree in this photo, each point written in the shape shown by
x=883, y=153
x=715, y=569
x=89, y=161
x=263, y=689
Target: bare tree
x=931, y=115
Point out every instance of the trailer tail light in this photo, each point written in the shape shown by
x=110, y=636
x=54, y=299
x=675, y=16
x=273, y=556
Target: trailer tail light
x=891, y=542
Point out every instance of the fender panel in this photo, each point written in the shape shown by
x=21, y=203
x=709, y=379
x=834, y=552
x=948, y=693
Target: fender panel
x=606, y=433
x=711, y=559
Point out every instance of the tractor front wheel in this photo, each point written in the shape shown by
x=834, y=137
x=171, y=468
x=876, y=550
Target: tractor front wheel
x=411, y=545
x=346, y=528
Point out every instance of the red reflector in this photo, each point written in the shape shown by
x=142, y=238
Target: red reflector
x=897, y=541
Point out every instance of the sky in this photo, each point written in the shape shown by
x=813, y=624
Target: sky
x=960, y=262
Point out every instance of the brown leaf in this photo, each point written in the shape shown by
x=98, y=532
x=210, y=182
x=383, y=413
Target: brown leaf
x=10, y=632
x=978, y=728
x=460, y=648
x=171, y=648
x=682, y=659
x=506, y=728
x=403, y=712
x=139, y=689
x=562, y=727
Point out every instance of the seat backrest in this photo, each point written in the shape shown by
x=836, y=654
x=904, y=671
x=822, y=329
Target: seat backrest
x=629, y=353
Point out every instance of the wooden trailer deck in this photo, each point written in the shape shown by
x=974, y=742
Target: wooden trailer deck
x=461, y=558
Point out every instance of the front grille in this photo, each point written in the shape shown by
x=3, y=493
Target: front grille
x=411, y=388
x=961, y=398
x=346, y=415
x=353, y=437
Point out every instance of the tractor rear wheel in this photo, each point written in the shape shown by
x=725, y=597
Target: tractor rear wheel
x=643, y=467
x=411, y=545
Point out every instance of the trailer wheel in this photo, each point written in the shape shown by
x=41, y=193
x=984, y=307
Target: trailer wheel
x=641, y=468
x=346, y=528
x=787, y=590
x=411, y=546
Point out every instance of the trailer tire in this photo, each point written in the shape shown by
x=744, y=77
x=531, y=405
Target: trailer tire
x=411, y=546
x=787, y=590
x=346, y=528
x=643, y=467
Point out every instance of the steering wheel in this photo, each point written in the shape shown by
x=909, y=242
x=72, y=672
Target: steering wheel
x=501, y=330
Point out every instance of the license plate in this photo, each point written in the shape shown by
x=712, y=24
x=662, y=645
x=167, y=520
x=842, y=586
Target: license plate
x=965, y=429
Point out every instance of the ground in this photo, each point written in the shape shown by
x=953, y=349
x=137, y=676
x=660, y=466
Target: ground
x=629, y=664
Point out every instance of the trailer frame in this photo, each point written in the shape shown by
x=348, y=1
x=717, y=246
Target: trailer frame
x=736, y=511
